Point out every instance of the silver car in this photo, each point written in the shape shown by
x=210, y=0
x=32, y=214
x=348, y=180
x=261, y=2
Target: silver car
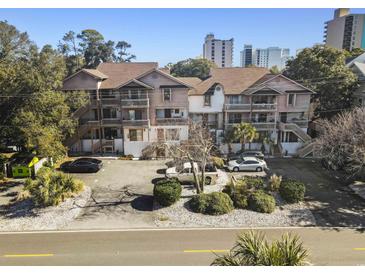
x=247, y=164
x=185, y=173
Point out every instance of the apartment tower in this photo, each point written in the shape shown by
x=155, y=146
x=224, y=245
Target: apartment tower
x=218, y=51
x=345, y=30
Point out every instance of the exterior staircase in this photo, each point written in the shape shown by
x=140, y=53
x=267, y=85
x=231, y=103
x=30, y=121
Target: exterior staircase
x=80, y=111
x=296, y=129
x=307, y=149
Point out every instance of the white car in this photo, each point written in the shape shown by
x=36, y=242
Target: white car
x=247, y=164
x=185, y=173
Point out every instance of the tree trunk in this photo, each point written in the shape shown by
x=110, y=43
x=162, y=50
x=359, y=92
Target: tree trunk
x=196, y=179
x=203, y=175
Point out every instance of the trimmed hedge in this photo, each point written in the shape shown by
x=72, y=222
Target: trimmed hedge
x=292, y=191
x=215, y=203
x=261, y=202
x=167, y=192
x=238, y=193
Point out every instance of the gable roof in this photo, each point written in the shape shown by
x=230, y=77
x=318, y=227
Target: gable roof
x=233, y=80
x=92, y=72
x=120, y=73
x=237, y=81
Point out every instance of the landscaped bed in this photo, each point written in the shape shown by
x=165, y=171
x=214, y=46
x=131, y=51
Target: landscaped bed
x=180, y=214
x=24, y=216
x=49, y=202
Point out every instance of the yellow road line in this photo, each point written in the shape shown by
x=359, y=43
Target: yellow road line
x=206, y=250
x=359, y=248
x=27, y=255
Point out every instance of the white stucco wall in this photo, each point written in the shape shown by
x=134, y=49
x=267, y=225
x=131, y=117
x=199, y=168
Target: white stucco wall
x=135, y=148
x=291, y=147
x=196, y=102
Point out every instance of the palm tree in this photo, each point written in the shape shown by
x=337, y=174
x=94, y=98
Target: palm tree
x=252, y=249
x=245, y=132
x=228, y=138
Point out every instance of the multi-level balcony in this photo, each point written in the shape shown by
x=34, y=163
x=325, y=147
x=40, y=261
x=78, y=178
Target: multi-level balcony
x=134, y=99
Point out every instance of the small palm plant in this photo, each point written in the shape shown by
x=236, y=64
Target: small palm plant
x=246, y=133
x=252, y=249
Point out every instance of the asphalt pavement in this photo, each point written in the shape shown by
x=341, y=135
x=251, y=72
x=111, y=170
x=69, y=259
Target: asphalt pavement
x=327, y=246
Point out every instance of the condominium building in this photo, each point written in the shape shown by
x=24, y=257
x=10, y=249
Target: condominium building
x=218, y=51
x=345, y=30
x=133, y=105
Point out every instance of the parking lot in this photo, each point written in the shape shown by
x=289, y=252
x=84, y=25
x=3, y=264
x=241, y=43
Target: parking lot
x=121, y=195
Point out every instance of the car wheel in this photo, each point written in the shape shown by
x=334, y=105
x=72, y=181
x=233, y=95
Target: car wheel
x=259, y=169
x=208, y=180
x=236, y=169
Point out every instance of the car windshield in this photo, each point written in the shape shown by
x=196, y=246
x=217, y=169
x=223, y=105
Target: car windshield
x=239, y=161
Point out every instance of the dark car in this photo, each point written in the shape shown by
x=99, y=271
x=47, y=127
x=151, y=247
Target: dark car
x=250, y=153
x=83, y=165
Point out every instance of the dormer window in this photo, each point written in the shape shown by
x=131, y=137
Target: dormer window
x=207, y=100
x=166, y=94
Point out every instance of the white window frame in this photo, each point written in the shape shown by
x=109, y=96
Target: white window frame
x=294, y=99
x=163, y=94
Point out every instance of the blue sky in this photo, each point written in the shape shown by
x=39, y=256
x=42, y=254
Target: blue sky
x=169, y=35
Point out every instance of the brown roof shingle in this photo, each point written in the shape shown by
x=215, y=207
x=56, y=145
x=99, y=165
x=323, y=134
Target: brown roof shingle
x=95, y=73
x=233, y=80
x=120, y=73
x=191, y=81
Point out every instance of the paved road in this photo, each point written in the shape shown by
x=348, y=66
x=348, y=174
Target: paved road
x=165, y=247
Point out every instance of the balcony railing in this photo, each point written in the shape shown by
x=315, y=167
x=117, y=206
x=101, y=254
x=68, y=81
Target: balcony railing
x=257, y=125
x=263, y=106
x=300, y=123
x=265, y=126
x=237, y=107
x=134, y=103
x=171, y=121
x=110, y=101
x=136, y=123
x=111, y=121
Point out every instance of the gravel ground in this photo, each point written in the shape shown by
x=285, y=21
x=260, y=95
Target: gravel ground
x=23, y=216
x=179, y=215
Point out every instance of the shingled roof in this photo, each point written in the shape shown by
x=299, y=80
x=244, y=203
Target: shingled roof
x=233, y=80
x=120, y=73
x=191, y=81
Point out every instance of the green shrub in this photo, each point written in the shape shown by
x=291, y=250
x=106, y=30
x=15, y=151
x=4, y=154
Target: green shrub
x=51, y=188
x=218, y=162
x=215, y=203
x=238, y=193
x=254, y=182
x=274, y=182
x=261, y=202
x=167, y=192
x=292, y=191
